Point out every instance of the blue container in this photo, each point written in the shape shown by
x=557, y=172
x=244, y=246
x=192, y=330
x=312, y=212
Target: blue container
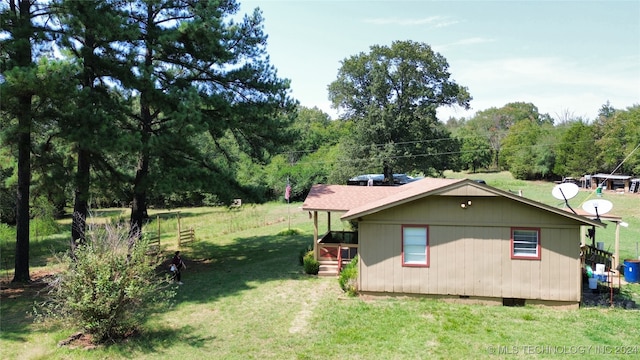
x=601, y=277
x=632, y=271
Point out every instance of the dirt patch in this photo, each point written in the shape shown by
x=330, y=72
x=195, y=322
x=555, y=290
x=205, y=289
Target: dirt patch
x=79, y=341
x=10, y=290
x=604, y=296
x=310, y=301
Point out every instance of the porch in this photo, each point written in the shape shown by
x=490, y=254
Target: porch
x=335, y=249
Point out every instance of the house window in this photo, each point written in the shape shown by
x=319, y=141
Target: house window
x=525, y=244
x=415, y=246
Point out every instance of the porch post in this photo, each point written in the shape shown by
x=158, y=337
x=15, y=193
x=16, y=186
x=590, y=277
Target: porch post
x=315, y=234
x=616, y=255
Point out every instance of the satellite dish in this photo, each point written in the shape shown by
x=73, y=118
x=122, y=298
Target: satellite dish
x=597, y=207
x=565, y=191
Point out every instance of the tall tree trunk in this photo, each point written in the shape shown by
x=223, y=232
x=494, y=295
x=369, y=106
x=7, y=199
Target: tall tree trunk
x=22, y=196
x=80, y=205
x=23, y=59
x=83, y=173
x=139, y=204
x=141, y=182
x=388, y=174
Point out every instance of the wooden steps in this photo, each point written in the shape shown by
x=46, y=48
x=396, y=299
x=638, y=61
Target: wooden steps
x=330, y=267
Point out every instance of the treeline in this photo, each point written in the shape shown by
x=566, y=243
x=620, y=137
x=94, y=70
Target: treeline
x=533, y=146
x=174, y=103
x=514, y=138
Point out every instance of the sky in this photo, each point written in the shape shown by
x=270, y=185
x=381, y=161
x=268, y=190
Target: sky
x=568, y=58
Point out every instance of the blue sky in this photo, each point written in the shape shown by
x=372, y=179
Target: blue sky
x=565, y=57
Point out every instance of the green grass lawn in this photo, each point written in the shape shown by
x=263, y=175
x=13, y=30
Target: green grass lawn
x=245, y=297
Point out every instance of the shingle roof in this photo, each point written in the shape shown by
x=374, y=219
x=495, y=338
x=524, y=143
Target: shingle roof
x=343, y=198
x=408, y=192
x=356, y=201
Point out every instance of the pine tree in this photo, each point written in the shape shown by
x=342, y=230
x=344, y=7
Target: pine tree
x=201, y=79
x=18, y=93
x=91, y=32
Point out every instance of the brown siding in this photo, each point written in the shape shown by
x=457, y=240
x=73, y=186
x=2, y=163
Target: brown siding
x=470, y=251
x=484, y=211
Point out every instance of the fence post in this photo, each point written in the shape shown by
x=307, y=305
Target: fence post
x=158, y=220
x=178, y=229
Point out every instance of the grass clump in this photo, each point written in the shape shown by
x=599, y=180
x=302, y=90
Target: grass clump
x=348, y=278
x=310, y=264
x=289, y=232
x=109, y=288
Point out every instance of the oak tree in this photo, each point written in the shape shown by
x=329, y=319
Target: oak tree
x=391, y=94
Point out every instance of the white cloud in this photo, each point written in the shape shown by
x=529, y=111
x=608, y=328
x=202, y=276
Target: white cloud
x=433, y=21
x=554, y=84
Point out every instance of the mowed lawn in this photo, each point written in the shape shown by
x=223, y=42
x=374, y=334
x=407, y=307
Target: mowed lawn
x=245, y=297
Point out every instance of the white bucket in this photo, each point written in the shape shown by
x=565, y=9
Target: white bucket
x=593, y=283
x=599, y=268
x=600, y=245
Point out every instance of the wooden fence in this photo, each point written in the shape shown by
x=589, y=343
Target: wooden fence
x=592, y=256
x=186, y=236
x=154, y=244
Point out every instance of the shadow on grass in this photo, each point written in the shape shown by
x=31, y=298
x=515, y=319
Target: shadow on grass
x=16, y=306
x=152, y=342
x=40, y=251
x=215, y=271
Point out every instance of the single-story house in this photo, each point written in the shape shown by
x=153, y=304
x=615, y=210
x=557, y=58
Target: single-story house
x=454, y=238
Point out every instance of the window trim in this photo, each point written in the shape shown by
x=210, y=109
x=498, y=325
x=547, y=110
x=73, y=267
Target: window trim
x=427, y=246
x=538, y=245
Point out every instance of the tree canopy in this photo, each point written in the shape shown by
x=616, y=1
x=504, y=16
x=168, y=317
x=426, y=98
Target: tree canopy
x=159, y=97
x=391, y=94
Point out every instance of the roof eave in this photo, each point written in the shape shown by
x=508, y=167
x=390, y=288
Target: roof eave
x=464, y=182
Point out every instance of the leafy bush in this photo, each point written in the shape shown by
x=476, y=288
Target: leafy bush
x=7, y=234
x=41, y=227
x=110, y=286
x=310, y=264
x=7, y=245
x=348, y=278
x=43, y=221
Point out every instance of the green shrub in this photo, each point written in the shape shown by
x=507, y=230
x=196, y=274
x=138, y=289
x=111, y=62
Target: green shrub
x=109, y=287
x=43, y=222
x=7, y=234
x=348, y=278
x=289, y=232
x=7, y=245
x=310, y=264
x=41, y=227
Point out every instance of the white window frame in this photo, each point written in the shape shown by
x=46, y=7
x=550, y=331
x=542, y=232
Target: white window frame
x=522, y=240
x=415, y=245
